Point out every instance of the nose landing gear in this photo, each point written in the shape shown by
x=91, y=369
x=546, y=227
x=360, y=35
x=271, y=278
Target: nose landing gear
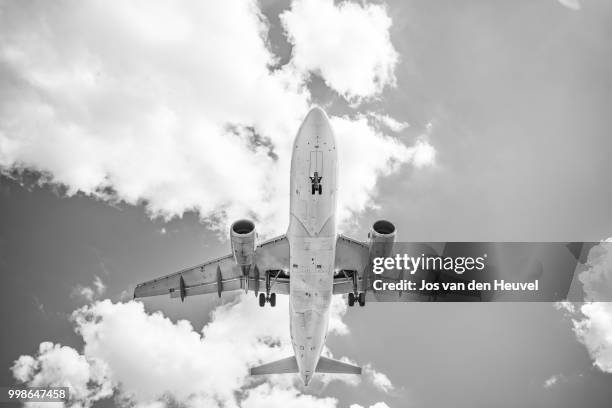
x=316, y=183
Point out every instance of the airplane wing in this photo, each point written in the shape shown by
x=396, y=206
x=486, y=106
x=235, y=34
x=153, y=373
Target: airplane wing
x=355, y=274
x=223, y=275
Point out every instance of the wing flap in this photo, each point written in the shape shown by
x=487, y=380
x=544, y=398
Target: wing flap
x=227, y=285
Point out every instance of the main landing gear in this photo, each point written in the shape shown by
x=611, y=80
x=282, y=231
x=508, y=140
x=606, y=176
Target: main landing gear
x=270, y=299
x=355, y=296
x=359, y=298
x=267, y=297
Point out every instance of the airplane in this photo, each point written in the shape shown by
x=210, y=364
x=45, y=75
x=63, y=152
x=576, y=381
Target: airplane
x=310, y=263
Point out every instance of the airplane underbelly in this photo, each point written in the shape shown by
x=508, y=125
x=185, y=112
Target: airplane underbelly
x=312, y=238
x=310, y=294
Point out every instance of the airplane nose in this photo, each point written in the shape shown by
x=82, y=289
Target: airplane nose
x=316, y=115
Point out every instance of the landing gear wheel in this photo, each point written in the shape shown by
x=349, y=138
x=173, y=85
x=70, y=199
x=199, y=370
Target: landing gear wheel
x=313, y=189
x=262, y=300
x=320, y=189
x=351, y=299
x=272, y=299
x=361, y=299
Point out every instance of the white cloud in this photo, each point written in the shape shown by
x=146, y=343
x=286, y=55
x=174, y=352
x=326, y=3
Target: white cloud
x=571, y=4
x=150, y=355
x=365, y=155
x=554, y=379
x=348, y=44
x=424, y=154
x=592, y=321
x=376, y=405
x=175, y=104
x=139, y=100
x=378, y=379
x=99, y=286
x=337, y=312
x=565, y=306
x=146, y=358
x=594, y=329
x=60, y=366
x=392, y=124
x=89, y=293
x=597, y=278
x=84, y=292
x=267, y=396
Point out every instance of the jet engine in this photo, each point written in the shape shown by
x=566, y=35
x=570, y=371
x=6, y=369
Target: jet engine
x=242, y=235
x=382, y=235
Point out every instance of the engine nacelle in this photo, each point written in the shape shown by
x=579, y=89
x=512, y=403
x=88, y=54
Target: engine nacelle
x=242, y=235
x=382, y=236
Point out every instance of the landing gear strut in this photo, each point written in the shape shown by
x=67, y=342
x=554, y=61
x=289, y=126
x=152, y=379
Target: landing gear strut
x=267, y=297
x=355, y=296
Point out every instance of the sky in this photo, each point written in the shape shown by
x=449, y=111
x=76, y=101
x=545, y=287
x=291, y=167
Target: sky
x=132, y=134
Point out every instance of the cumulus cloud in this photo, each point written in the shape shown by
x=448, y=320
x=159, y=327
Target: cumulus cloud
x=158, y=104
x=367, y=154
x=594, y=329
x=592, y=321
x=347, y=44
x=337, y=311
x=88, y=379
x=173, y=105
x=267, y=396
x=146, y=359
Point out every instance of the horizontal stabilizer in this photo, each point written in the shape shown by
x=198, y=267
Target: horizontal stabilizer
x=327, y=365
x=284, y=366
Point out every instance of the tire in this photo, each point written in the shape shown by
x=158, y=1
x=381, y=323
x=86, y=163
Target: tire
x=351, y=299
x=313, y=190
x=262, y=300
x=320, y=189
x=273, y=299
x=361, y=299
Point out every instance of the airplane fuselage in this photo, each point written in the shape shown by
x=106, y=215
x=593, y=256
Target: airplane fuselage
x=312, y=238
